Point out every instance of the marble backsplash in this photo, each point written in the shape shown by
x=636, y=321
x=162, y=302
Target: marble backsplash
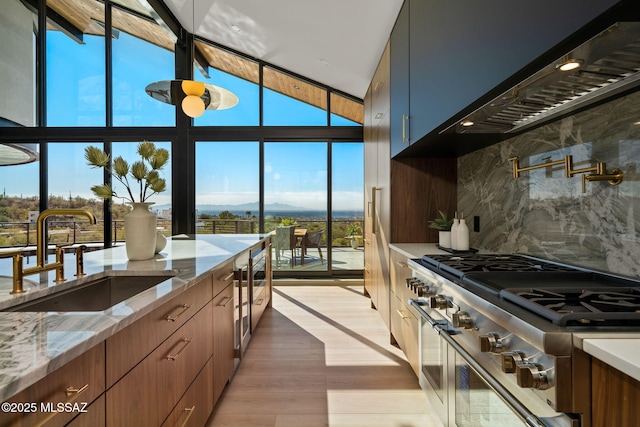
x=545, y=214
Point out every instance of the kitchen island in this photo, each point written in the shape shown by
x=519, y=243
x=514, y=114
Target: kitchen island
x=35, y=344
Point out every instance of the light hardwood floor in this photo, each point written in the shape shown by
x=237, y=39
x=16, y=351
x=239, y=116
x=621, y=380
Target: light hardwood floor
x=321, y=357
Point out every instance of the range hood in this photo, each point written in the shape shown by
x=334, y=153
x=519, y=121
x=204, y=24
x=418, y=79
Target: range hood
x=609, y=67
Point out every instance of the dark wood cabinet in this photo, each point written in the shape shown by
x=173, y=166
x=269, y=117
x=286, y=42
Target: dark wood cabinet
x=614, y=397
x=448, y=59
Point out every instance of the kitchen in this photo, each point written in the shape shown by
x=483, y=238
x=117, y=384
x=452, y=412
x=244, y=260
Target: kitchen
x=541, y=213
x=529, y=180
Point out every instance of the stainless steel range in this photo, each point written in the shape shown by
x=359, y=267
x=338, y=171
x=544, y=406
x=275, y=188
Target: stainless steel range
x=497, y=336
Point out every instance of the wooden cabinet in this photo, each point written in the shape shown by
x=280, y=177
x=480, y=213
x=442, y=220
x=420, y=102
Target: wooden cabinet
x=129, y=346
x=147, y=394
x=614, y=397
x=196, y=405
x=95, y=416
x=223, y=339
x=78, y=383
x=404, y=324
x=377, y=188
x=447, y=60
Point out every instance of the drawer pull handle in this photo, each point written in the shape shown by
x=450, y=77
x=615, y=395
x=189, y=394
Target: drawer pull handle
x=401, y=314
x=401, y=264
x=72, y=394
x=189, y=412
x=71, y=391
x=185, y=343
x=226, y=303
x=184, y=308
x=228, y=277
x=260, y=301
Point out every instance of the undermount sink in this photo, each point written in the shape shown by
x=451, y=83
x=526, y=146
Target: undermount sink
x=96, y=295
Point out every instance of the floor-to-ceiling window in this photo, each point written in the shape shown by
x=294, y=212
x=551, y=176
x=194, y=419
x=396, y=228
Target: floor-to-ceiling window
x=95, y=60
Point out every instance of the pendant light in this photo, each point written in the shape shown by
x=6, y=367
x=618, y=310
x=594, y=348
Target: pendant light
x=194, y=97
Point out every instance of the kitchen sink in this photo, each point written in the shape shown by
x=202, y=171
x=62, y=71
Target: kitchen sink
x=95, y=295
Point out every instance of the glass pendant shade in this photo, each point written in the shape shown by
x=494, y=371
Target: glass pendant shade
x=193, y=106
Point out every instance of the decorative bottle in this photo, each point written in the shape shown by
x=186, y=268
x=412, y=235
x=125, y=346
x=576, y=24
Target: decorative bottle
x=462, y=235
x=454, y=231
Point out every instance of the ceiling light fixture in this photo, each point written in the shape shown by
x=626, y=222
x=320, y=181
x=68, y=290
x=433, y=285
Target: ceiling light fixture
x=194, y=97
x=235, y=28
x=467, y=123
x=570, y=64
x=17, y=154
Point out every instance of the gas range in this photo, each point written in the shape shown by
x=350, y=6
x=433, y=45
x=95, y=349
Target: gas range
x=563, y=294
x=515, y=317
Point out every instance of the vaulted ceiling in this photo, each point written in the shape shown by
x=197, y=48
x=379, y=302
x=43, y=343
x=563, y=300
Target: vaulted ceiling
x=335, y=42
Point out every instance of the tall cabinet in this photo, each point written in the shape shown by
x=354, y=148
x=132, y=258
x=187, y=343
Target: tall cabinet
x=377, y=178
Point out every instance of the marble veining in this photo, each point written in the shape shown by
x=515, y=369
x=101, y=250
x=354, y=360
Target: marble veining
x=35, y=344
x=545, y=214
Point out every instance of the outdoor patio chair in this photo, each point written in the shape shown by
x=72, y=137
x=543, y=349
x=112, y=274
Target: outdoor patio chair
x=284, y=240
x=312, y=240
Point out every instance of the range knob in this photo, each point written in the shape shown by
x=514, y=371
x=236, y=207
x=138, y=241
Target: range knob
x=511, y=359
x=422, y=290
x=461, y=319
x=532, y=375
x=438, y=301
x=490, y=343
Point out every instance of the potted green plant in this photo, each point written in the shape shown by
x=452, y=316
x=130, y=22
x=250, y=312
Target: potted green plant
x=141, y=180
x=288, y=222
x=353, y=233
x=443, y=225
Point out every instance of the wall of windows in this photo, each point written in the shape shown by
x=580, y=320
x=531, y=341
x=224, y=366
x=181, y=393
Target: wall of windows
x=253, y=159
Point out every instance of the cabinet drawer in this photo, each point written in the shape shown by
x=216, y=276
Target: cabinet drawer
x=129, y=346
x=148, y=393
x=400, y=272
x=223, y=340
x=222, y=277
x=78, y=382
x=196, y=405
x=404, y=328
x=94, y=417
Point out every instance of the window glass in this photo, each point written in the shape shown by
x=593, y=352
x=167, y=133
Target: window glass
x=245, y=113
x=227, y=187
x=348, y=205
x=292, y=102
x=295, y=193
x=76, y=64
x=73, y=194
x=17, y=64
x=136, y=64
x=19, y=201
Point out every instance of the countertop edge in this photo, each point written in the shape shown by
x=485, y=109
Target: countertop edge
x=110, y=324
x=621, y=354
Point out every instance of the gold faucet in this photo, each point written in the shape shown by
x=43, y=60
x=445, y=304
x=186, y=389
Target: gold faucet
x=41, y=251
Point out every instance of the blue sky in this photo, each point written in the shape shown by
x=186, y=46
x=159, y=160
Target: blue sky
x=226, y=173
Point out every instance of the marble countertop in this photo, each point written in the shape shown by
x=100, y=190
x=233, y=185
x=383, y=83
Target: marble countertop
x=35, y=344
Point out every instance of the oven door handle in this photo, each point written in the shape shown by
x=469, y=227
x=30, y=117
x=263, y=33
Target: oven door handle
x=442, y=326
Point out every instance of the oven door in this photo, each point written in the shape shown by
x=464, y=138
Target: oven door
x=468, y=394
x=433, y=364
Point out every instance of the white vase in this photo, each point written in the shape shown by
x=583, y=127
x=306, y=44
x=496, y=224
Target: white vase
x=140, y=232
x=161, y=241
x=354, y=243
x=444, y=239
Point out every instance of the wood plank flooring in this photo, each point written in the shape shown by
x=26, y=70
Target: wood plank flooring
x=321, y=357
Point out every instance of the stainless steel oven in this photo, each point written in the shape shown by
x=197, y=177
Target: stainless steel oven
x=461, y=391
x=497, y=336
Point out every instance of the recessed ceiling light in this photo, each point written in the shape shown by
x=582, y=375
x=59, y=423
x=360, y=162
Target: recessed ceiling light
x=467, y=123
x=324, y=62
x=637, y=123
x=296, y=87
x=235, y=28
x=569, y=64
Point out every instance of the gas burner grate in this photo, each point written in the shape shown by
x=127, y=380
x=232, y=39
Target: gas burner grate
x=459, y=265
x=579, y=306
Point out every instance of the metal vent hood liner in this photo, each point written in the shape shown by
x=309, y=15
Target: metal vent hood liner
x=610, y=66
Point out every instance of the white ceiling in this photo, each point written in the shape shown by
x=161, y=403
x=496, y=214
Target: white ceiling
x=335, y=42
